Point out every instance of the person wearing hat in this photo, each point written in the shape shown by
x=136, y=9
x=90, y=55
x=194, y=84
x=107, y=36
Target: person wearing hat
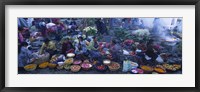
x=48, y=46
x=67, y=46
x=81, y=48
x=24, y=55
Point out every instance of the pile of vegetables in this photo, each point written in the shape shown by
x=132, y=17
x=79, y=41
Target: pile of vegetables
x=101, y=67
x=172, y=67
x=136, y=35
x=90, y=30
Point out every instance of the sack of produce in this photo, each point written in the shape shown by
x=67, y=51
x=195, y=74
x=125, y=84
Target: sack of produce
x=159, y=59
x=126, y=65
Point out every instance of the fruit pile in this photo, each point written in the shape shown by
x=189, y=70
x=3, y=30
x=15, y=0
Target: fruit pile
x=69, y=61
x=114, y=66
x=172, y=67
x=75, y=68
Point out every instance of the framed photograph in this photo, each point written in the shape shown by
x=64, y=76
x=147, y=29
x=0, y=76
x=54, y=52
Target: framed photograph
x=111, y=45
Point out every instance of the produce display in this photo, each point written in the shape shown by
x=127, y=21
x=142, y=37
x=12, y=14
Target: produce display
x=75, y=68
x=100, y=45
x=30, y=67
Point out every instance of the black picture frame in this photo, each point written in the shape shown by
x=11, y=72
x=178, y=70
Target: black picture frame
x=99, y=2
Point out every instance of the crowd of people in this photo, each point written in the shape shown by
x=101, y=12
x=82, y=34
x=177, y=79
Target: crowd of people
x=66, y=35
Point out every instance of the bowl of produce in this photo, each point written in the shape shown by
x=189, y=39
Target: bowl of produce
x=106, y=62
x=86, y=65
x=67, y=67
x=75, y=68
x=69, y=61
x=52, y=65
x=70, y=55
x=30, y=67
x=147, y=69
x=114, y=66
x=159, y=69
x=43, y=65
x=172, y=67
x=77, y=62
x=101, y=67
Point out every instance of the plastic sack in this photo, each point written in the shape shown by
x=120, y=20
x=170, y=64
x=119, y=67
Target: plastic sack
x=159, y=59
x=41, y=58
x=126, y=65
